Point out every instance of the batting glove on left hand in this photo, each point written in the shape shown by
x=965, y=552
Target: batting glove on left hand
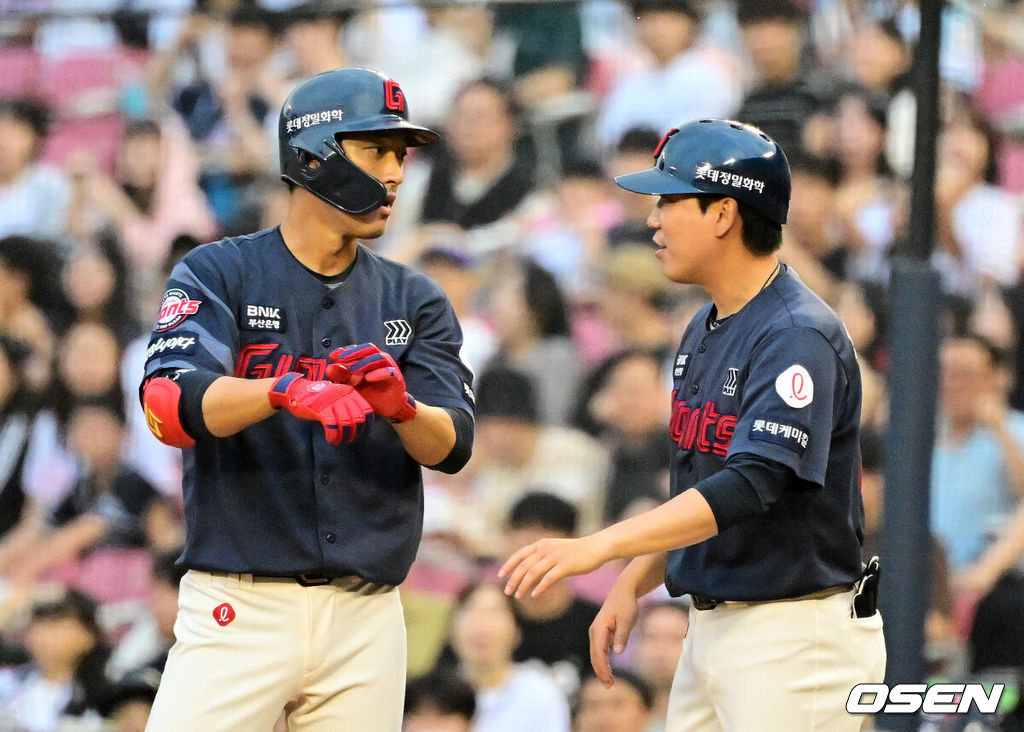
x=376, y=376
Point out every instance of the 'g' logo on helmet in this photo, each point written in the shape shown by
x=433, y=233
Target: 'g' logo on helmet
x=394, y=99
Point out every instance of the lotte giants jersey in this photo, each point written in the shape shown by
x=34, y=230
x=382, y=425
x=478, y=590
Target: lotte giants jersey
x=277, y=498
x=779, y=380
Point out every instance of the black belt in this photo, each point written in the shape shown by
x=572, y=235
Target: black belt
x=703, y=602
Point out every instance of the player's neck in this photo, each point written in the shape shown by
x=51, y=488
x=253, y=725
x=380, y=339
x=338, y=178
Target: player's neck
x=317, y=243
x=735, y=283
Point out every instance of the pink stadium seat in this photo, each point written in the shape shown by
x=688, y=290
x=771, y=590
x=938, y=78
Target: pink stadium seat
x=21, y=72
x=99, y=135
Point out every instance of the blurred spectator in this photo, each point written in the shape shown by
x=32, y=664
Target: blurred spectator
x=231, y=119
x=625, y=706
x=439, y=702
x=657, y=648
x=531, y=320
x=548, y=58
x=455, y=274
x=65, y=676
x=554, y=627
x=978, y=460
x=87, y=368
x=34, y=197
x=312, y=37
x=978, y=225
x=784, y=101
x=106, y=509
x=940, y=630
x=455, y=46
x=481, y=178
x=515, y=454
x=632, y=152
x=509, y=697
x=152, y=197
x=878, y=55
x=130, y=701
x=566, y=230
x=32, y=304
x=629, y=410
x=852, y=307
x=17, y=423
x=96, y=282
x=811, y=224
x=634, y=298
x=688, y=79
x=145, y=646
x=869, y=202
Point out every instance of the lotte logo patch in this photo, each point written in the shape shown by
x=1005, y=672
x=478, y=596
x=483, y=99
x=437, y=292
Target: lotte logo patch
x=223, y=614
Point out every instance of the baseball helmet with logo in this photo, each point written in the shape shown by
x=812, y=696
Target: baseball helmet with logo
x=719, y=157
x=331, y=105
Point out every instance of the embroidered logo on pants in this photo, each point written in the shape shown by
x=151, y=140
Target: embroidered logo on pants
x=223, y=614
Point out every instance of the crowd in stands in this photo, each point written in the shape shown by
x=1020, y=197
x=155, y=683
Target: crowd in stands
x=131, y=132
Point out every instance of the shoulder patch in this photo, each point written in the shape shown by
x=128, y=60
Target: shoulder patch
x=795, y=386
x=398, y=332
x=175, y=308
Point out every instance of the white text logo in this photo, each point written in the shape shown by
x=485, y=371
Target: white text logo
x=934, y=699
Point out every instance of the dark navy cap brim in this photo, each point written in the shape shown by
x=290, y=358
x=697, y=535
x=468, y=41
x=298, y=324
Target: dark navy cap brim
x=654, y=182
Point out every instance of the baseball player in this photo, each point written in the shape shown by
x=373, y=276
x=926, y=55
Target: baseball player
x=302, y=454
x=765, y=521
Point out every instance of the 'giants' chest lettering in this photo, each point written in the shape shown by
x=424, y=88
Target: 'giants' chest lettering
x=702, y=428
x=263, y=360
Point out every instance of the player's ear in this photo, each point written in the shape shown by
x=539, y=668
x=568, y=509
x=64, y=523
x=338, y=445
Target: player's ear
x=727, y=216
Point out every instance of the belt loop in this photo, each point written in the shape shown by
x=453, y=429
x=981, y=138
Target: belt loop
x=245, y=579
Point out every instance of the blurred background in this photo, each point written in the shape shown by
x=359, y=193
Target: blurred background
x=134, y=130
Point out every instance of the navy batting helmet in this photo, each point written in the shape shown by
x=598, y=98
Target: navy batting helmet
x=333, y=104
x=722, y=158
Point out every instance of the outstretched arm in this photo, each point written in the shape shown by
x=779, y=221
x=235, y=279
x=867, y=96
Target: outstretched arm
x=685, y=520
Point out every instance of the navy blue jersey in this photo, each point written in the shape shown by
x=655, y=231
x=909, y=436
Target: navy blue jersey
x=778, y=380
x=277, y=498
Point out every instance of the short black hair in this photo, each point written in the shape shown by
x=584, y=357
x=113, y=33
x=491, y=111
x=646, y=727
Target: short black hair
x=761, y=235
x=544, y=511
x=167, y=570
x=827, y=169
x=28, y=112
x=684, y=7
x=638, y=140
x=544, y=300
x=447, y=693
x=630, y=678
x=250, y=15
x=505, y=392
x=749, y=12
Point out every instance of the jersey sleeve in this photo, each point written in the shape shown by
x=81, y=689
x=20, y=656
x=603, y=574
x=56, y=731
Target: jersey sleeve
x=794, y=391
x=433, y=370
x=196, y=327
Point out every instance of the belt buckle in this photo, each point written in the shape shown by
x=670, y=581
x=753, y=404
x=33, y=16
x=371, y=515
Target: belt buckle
x=702, y=602
x=307, y=580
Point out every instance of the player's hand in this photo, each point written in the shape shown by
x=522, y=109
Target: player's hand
x=611, y=629
x=542, y=563
x=377, y=377
x=338, y=407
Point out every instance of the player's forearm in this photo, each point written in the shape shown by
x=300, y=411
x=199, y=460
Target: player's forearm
x=683, y=521
x=231, y=404
x=644, y=574
x=429, y=436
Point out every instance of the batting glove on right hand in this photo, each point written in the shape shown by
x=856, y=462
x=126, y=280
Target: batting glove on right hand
x=377, y=377
x=338, y=407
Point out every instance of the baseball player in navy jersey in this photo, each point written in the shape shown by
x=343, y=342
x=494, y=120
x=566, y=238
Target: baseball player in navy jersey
x=302, y=451
x=764, y=525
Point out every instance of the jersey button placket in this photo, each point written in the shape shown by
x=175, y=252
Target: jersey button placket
x=324, y=479
x=330, y=537
x=703, y=347
x=326, y=342
x=327, y=303
x=695, y=388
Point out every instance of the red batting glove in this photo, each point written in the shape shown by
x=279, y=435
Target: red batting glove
x=338, y=407
x=377, y=377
